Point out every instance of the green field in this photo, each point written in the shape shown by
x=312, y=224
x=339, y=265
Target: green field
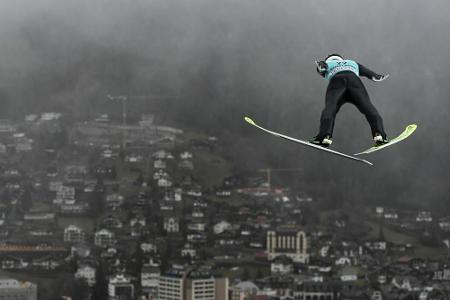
x=210, y=168
x=391, y=235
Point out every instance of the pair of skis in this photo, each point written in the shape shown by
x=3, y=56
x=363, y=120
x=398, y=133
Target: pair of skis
x=406, y=133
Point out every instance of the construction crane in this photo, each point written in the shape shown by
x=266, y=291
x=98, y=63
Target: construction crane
x=124, y=99
x=269, y=171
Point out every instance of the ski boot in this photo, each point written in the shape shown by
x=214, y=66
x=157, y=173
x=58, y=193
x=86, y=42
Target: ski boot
x=379, y=140
x=325, y=142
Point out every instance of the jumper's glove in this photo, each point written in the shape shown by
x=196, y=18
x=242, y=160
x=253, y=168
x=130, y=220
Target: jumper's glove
x=321, y=67
x=379, y=78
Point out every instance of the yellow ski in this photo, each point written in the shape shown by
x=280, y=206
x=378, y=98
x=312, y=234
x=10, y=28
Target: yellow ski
x=407, y=132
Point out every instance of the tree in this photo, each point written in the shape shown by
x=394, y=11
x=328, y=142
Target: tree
x=100, y=289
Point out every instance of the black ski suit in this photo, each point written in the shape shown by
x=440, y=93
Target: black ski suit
x=346, y=86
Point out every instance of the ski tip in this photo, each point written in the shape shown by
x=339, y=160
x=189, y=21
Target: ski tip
x=248, y=120
x=411, y=127
x=367, y=162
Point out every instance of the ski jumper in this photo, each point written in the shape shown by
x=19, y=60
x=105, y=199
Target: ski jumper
x=346, y=86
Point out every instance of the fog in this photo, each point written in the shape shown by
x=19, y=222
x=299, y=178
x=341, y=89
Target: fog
x=227, y=59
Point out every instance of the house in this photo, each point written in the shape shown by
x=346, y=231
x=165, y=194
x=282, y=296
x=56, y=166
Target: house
x=81, y=250
x=148, y=248
x=197, y=226
x=13, y=263
x=171, y=224
x=343, y=261
x=150, y=279
x=197, y=213
x=281, y=265
x=46, y=262
x=24, y=144
x=348, y=274
x=112, y=222
x=407, y=283
x=173, y=195
x=137, y=221
x=391, y=215
x=114, y=201
x=243, y=290
x=196, y=238
x=73, y=234
x=64, y=194
x=104, y=238
x=224, y=193
x=444, y=224
x=120, y=287
x=87, y=273
x=194, y=192
x=442, y=274
x=74, y=208
x=200, y=204
x=424, y=216
x=164, y=182
x=133, y=158
x=186, y=155
x=315, y=290
x=379, y=210
x=188, y=250
x=162, y=154
x=75, y=173
x=221, y=227
x=159, y=164
x=160, y=174
x=376, y=245
x=167, y=207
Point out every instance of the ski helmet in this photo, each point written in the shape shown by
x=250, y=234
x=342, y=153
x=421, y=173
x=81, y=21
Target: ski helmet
x=333, y=56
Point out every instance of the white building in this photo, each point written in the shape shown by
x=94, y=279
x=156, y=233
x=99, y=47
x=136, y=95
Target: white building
x=197, y=226
x=159, y=164
x=65, y=194
x=188, y=250
x=424, y=216
x=114, y=201
x=120, y=287
x=221, y=227
x=291, y=243
x=171, y=224
x=87, y=273
x=282, y=265
x=73, y=234
x=104, y=238
x=170, y=287
x=164, y=182
x=13, y=289
x=186, y=155
x=150, y=277
x=192, y=286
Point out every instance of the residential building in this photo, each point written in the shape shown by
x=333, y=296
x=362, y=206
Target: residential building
x=13, y=289
x=104, y=238
x=73, y=234
x=120, y=287
x=197, y=284
x=87, y=273
x=171, y=224
x=171, y=286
